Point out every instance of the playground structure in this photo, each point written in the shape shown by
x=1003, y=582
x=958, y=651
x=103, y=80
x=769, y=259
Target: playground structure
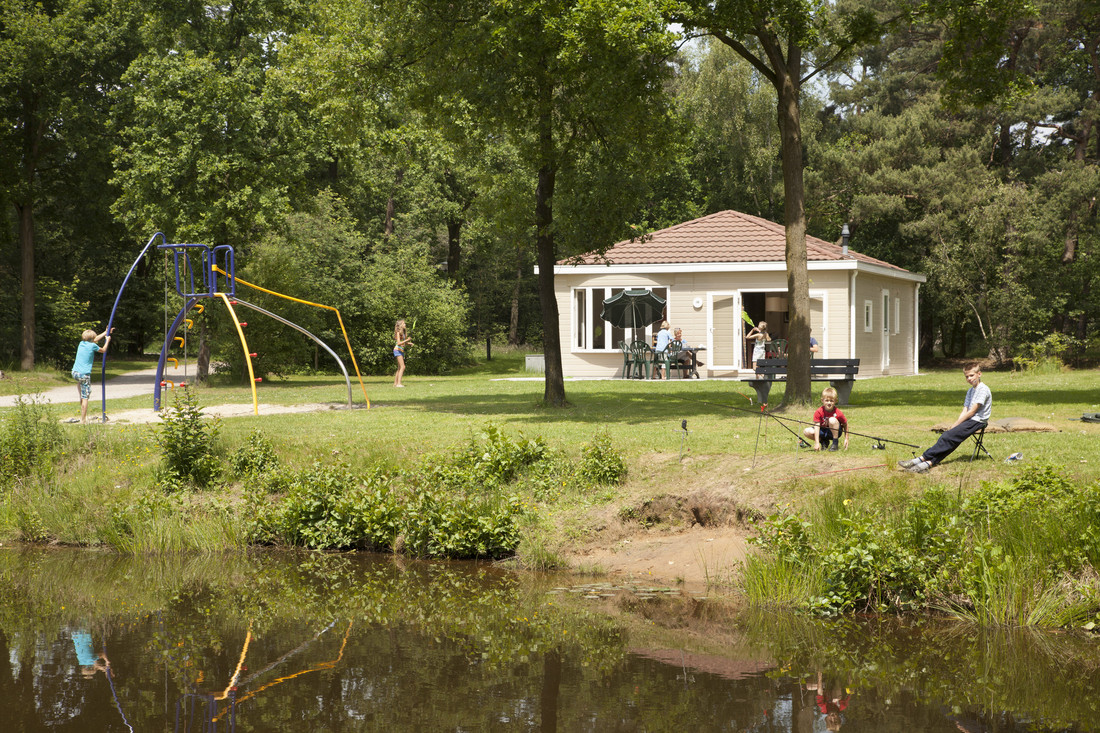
x=218, y=282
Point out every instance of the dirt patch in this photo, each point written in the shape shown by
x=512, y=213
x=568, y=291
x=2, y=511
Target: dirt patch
x=693, y=557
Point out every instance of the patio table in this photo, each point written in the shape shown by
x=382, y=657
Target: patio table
x=694, y=359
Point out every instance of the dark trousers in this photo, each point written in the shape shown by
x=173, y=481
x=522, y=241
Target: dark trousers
x=951, y=440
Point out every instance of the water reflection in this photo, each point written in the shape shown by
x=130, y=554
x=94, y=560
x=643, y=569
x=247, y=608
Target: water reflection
x=315, y=642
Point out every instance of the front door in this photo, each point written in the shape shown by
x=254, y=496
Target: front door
x=724, y=331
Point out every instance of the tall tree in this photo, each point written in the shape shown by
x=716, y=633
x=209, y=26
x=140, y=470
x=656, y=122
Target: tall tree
x=788, y=42
x=59, y=61
x=577, y=88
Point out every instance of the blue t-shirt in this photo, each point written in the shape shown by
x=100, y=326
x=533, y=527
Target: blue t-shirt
x=663, y=337
x=85, y=355
x=82, y=643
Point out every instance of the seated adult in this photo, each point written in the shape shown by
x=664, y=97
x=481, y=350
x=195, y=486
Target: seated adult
x=660, y=347
x=686, y=357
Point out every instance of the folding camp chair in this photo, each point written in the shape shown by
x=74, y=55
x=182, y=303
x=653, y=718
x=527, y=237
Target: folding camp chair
x=979, y=437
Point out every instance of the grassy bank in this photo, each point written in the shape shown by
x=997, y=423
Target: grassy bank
x=470, y=464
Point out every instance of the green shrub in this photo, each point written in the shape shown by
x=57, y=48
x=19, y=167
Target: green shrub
x=1021, y=551
x=327, y=507
x=31, y=441
x=187, y=442
x=600, y=463
x=470, y=526
x=256, y=457
x=1048, y=355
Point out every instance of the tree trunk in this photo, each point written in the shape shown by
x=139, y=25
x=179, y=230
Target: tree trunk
x=391, y=204
x=551, y=688
x=26, y=250
x=794, y=214
x=513, y=320
x=202, y=363
x=32, y=131
x=454, y=250
x=554, y=390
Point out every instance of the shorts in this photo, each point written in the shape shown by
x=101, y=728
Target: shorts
x=84, y=382
x=397, y=353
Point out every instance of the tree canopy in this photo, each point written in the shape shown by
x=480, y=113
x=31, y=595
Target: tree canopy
x=453, y=149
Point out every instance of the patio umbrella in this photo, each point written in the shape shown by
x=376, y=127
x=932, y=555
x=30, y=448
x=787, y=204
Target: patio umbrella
x=633, y=309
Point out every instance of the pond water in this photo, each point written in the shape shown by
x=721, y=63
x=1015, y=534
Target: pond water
x=281, y=642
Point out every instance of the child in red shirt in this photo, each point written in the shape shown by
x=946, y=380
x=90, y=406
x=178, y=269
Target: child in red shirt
x=829, y=423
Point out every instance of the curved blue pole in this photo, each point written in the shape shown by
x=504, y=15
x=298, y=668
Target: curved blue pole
x=114, y=308
x=164, y=350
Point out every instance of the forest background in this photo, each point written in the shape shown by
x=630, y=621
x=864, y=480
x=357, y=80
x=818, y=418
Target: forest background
x=404, y=161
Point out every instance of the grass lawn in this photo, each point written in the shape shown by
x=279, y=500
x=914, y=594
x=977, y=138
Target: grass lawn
x=643, y=419
x=731, y=456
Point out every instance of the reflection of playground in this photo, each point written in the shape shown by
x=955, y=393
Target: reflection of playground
x=205, y=709
x=218, y=283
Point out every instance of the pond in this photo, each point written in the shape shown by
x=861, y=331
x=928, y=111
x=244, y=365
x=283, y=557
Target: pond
x=312, y=642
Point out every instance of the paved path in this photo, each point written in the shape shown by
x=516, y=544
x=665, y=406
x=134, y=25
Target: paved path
x=141, y=383
x=130, y=384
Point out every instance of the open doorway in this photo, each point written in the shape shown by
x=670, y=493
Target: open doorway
x=772, y=307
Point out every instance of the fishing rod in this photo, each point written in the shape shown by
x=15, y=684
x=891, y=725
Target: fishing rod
x=878, y=444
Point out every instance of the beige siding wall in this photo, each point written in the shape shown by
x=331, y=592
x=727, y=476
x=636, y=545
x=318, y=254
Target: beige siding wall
x=899, y=343
x=829, y=323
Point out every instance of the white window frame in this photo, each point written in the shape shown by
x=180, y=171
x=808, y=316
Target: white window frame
x=868, y=316
x=897, y=316
x=592, y=314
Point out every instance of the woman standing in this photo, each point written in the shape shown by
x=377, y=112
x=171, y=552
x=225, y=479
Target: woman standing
x=401, y=340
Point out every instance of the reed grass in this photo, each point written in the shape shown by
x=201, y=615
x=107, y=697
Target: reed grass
x=771, y=581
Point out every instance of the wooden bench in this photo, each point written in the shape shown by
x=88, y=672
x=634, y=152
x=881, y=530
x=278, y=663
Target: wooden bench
x=840, y=373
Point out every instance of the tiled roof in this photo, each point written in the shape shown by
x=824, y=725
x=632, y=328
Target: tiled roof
x=727, y=236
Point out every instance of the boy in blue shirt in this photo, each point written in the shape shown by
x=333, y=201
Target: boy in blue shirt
x=82, y=366
x=977, y=407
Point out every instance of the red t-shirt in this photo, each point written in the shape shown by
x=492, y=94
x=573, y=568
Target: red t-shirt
x=821, y=416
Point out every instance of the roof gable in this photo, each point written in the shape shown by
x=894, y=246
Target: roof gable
x=727, y=236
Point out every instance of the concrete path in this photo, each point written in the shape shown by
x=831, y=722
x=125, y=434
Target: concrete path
x=141, y=383
x=130, y=384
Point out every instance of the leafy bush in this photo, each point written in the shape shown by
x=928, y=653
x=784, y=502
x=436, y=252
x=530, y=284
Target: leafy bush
x=187, y=441
x=320, y=251
x=328, y=508
x=1016, y=551
x=255, y=457
x=1047, y=355
x=31, y=441
x=439, y=525
x=600, y=463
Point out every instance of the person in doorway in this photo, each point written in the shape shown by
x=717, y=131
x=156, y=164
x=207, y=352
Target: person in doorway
x=759, y=334
x=82, y=366
x=401, y=340
x=829, y=423
x=977, y=407
x=814, y=348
